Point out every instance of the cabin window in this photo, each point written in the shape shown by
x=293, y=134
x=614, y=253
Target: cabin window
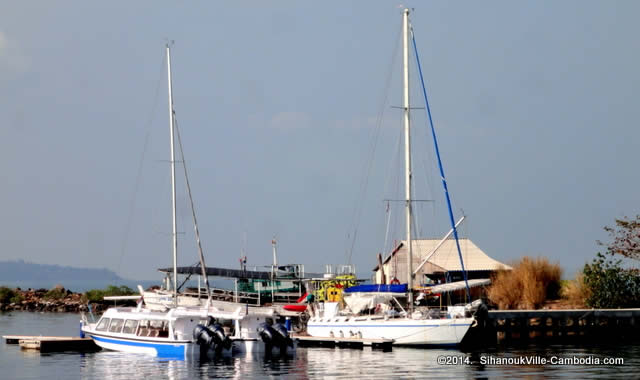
x=116, y=325
x=130, y=326
x=144, y=328
x=158, y=329
x=164, y=330
x=104, y=323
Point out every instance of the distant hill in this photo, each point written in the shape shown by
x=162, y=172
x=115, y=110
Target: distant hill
x=25, y=275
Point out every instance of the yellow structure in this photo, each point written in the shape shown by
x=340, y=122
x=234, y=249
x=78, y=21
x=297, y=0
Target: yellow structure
x=330, y=290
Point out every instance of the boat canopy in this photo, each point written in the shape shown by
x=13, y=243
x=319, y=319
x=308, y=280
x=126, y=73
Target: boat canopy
x=358, y=302
x=221, y=272
x=281, y=273
x=457, y=285
x=378, y=288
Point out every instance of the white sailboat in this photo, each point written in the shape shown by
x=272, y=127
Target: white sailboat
x=405, y=327
x=179, y=331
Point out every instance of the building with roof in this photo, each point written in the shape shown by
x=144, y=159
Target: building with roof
x=442, y=264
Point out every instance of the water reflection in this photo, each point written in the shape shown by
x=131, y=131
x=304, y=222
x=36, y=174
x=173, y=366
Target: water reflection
x=308, y=363
x=311, y=363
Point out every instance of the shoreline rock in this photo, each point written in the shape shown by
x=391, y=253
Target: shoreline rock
x=56, y=300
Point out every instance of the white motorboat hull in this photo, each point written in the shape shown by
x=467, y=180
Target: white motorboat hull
x=169, y=349
x=403, y=331
x=184, y=349
x=173, y=333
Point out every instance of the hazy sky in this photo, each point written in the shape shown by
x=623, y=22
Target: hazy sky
x=535, y=104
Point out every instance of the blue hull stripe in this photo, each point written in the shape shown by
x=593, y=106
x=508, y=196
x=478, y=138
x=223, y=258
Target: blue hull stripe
x=163, y=350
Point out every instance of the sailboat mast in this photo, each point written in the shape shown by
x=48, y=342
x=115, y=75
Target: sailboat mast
x=172, y=161
x=407, y=152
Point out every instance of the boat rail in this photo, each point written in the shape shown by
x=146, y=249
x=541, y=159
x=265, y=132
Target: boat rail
x=242, y=297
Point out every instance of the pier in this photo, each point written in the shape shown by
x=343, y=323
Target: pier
x=556, y=326
x=52, y=343
x=342, y=342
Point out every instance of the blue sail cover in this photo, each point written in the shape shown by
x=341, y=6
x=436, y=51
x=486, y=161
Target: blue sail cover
x=371, y=288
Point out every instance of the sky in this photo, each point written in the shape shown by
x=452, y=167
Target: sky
x=286, y=112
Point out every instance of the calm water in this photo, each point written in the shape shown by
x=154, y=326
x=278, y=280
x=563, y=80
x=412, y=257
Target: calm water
x=309, y=363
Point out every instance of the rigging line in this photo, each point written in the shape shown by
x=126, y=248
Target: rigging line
x=186, y=278
x=444, y=181
x=136, y=187
x=193, y=210
x=369, y=164
x=428, y=168
x=184, y=281
x=423, y=162
x=389, y=175
x=398, y=185
x=386, y=233
x=414, y=214
x=420, y=213
x=395, y=179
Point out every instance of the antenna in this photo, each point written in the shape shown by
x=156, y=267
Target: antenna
x=274, y=244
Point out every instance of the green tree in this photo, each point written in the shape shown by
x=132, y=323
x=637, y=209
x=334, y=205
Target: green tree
x=6, y=294
x=97, y=295
x=611, y=285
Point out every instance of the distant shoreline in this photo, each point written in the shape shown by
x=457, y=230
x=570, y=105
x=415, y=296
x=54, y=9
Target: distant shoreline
x=25, y=275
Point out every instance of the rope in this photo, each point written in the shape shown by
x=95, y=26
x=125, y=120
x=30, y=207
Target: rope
x=395, y=179
x=136, y=187
x=193, y=212
x=369, y=163
x=444, y=181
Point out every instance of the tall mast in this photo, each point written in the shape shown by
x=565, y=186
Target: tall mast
x=407, y=151
x=172, y=161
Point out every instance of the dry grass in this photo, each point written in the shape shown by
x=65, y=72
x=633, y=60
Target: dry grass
x=575, y=292
x=527, y=286
x=505, y=290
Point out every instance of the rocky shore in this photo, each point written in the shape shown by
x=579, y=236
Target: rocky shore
x=58, y=299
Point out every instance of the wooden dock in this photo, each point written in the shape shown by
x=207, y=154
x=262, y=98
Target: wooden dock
x=557, y=326
x=351, y=342
x=52, y=343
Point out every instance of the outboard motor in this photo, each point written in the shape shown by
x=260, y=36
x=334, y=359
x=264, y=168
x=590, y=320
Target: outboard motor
x=481, y=314
x=275, y=336
x=212, y=337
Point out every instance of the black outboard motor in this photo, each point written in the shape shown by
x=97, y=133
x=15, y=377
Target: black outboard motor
x=481, y=315
x=276, y=335
x=212, y=337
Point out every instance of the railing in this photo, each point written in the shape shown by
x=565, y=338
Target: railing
x=219, y=294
